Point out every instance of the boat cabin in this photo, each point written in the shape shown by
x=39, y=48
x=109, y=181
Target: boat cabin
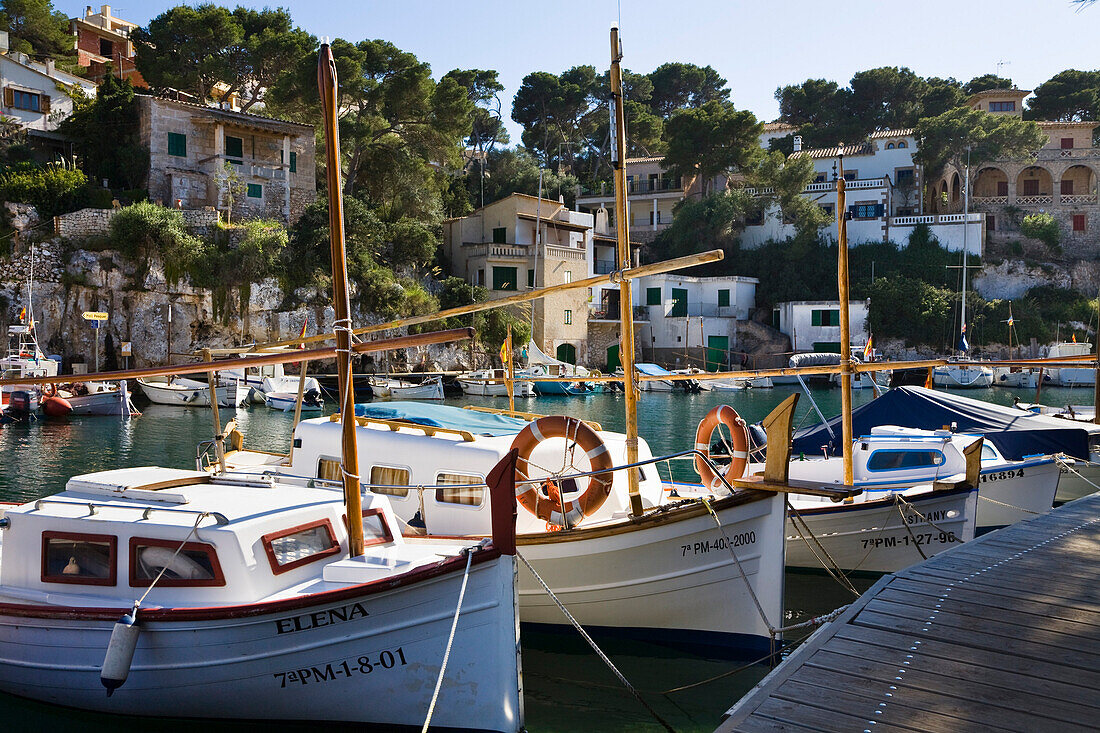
x=245, y=538
x=431, y=461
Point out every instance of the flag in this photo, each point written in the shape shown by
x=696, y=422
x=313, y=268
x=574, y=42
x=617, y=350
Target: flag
x=23, y=315
x=964, y=345
x=1011, y=321
x=504, y=354
x=868, y=350
x=302, y=335
x=1075, y=338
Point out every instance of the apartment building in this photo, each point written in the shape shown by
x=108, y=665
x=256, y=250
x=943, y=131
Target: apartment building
x=103, y=38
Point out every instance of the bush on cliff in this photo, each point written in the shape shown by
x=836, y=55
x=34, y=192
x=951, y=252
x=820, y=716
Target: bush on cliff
x=1044, y=227
x=145, y=230
x=55, y=189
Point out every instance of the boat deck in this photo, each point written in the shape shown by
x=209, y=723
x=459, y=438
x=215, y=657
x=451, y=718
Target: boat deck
x=1000, y=633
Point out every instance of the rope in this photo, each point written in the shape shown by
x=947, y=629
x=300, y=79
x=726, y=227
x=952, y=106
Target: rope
x=832, y=568
x=450, y=640
x=905, y=523
x=595, y=648
x=164, y=568
x=1061, y=462
x=1010, y=506
x=909, y=507
x=344, y=324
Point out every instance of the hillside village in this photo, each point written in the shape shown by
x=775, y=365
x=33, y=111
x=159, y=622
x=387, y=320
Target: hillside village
x=180, y=190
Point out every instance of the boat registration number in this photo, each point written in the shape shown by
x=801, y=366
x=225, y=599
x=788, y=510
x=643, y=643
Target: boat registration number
x=905, y=540
x=704, y=546
x=346, y=668
x=1002, y=475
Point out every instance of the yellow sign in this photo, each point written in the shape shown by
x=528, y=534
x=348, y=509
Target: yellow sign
x=127, y=348
x=94, y=316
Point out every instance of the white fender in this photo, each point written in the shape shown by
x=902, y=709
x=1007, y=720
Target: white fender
x=120, y=652
x=182, y=566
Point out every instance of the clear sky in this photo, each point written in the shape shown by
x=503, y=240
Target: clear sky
x=757, y=46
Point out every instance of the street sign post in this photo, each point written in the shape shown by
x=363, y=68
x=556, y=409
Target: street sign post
x=95, y=319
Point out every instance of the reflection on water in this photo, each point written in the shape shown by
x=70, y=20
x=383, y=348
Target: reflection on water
x=567, y=688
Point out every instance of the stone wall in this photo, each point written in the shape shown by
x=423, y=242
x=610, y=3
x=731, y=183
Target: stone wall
x=97, y=222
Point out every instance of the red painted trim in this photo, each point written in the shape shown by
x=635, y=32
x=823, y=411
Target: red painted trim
x=110, y=539
x=276, y=568
x=213, y=613
x=211, y=554
x=386, y=538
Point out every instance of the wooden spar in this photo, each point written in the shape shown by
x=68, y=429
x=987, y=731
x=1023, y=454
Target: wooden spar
x=845, y=324
x=349, y=458
x=301, y=396
x=284, y=357
x=212, y=385
x=626, y=305
x=655, y=268
x=510, y=374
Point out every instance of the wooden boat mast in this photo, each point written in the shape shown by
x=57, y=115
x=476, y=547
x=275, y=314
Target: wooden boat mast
x=845, y=325
x=349, y=463
x=626, y=304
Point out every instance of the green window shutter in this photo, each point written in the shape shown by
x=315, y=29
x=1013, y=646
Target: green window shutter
x=723, y=298
x=815, y=318
x=234, y=148
x=255, y=191
x=568, y=317
x=177, y=144
x=652, y=296
x=500, y=235
x=504, y=278
x=530, y=278
x=680, y=303
x=827, y=347
x=834, y=318
x=293, y=162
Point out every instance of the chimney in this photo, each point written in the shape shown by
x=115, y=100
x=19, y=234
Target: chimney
x=3, y=41
x=105, y=11
x=88, y=11
x=797, y=143
x=50, y=70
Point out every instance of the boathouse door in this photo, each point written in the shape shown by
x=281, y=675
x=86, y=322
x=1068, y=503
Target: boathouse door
x=567, y=353
x=717, y=348
x=613, y=362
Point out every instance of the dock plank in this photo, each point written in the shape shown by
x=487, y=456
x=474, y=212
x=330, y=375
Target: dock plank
x=1001, y=633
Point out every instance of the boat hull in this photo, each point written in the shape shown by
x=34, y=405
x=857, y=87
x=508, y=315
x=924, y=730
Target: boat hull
x=673, y=577
x=114, y=403
x=495, y=389
x=431, y=390
x=379, y=667
x=187, y=397
x=872, y=536
x=969, y=377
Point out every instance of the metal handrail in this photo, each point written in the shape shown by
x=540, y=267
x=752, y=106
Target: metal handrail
x=94, y=506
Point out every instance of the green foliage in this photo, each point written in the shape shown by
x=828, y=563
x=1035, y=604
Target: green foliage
x=35, y=28
x=55, y=189
x=106, y=134
x=985, y=82
x=1068, y=96
x=491, y=327
x=517, y=171
x=712, y=139
x=144, y=230
x=945, y=139
x=308, y=261
x=909, y=308
x=1044, y=227
x=712, y=222
x=679, y=86
x=788, y=178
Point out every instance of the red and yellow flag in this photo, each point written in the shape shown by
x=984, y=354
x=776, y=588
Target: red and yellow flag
x=23, y=315
x=303, y=333
x=868, y=350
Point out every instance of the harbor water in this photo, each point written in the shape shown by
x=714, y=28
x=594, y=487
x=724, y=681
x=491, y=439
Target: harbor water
x=567, y=688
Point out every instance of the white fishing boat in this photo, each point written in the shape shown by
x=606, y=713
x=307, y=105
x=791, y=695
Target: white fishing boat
x=287, y=401
x=89, y=398
x=256, y=382
x=183, y=392
x=963, y=375
x=24, y=359
x=250, y=604
x=893, y=459
x=381, y=386
x=1019, y=377
x=429, y=389
x=490, y=383
x=736, y=385
x=1082, y=376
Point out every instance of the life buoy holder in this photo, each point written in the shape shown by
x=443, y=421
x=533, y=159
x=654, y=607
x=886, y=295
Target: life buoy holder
x=552, y=507
x=739, y=431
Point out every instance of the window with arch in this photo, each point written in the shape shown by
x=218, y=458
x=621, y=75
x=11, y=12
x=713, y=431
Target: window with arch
x=902, y=144
x=889, y=146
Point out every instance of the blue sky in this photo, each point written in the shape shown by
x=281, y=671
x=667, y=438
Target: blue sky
x=757, y=46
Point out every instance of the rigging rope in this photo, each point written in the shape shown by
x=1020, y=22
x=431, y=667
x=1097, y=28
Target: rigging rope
x=164, y=568
x=450, y=639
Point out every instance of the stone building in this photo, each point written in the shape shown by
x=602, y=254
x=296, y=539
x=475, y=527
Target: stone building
x=1060, y=180
x=204, y=156
x=495, y=248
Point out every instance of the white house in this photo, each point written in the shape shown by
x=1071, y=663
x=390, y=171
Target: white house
x=883, y=196
x=814, y=325
x=691, y=320
x=37, y=95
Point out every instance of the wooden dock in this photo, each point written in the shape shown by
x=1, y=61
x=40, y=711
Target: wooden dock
x=1002, y=633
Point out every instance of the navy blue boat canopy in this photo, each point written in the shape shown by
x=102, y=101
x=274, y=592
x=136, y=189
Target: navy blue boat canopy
x=442, y=416
x=1015, y=432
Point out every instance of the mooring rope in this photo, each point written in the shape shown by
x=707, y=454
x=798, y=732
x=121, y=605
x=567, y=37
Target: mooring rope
x=835, y=571
x=450, y=640
x=599, y=652
x=752, y=594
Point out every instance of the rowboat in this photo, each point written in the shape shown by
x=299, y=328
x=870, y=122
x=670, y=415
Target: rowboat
x=89, y=398
x=256, y=382
x=286, y=401
x=182, y=392
x=250, y=607
x=429, y=389
x=490, y=383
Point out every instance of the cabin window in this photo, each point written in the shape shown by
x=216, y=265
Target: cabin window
x=82, y=559
x=291, y=548
x=387, y=480
x=896, y=460
x=329, y=469
x=376, y=531
x=988, y=453
x=458, y=488
x=194, y=565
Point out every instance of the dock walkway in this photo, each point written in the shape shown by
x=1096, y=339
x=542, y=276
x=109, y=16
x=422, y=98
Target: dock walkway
x=1002, y=633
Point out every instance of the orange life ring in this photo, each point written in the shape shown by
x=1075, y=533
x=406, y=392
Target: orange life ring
x=552, y=508
x=722, y=415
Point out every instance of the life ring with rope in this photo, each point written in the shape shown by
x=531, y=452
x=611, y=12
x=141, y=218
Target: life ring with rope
x=546, y=500
x=739, y=451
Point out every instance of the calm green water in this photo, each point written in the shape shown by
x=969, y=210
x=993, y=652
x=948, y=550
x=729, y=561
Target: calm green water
x=567, y=687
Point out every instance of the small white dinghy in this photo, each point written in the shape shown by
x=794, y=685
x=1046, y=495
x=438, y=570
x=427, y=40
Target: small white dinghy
x=250, y=606
x=430, y=389
x=286, y=401
x=183, y=392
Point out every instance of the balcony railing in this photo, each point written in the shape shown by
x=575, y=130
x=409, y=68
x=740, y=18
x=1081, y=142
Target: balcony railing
x=1063, y=153
x=659, y=185
x=605, y=312
x=989, y=200
x=1039, y=200
x=861, y=183
x=482, y=249
x=1077, y=198
x=909, y=221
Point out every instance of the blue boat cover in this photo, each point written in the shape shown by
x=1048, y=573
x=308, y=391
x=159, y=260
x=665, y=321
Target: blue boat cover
x=442, y=416
x=652, y=370
x=1015, y=433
